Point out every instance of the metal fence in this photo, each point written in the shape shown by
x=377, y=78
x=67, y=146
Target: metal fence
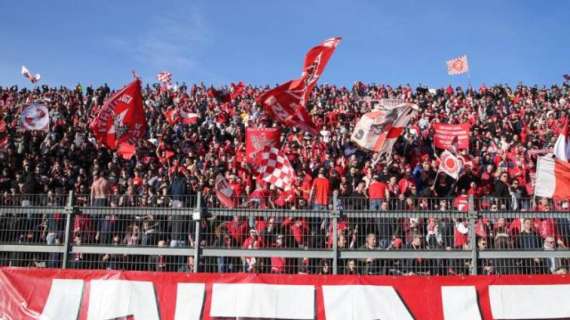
x=345, y=236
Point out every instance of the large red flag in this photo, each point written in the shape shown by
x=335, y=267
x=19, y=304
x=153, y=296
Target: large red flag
x=287, y=102
x=256, y=139
x=121, y=119
x=315, y=62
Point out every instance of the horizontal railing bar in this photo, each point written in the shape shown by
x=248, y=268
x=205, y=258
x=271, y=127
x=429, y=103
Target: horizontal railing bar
x=267, y=253
x=31, y=210
x=520, y=254
x=525, y=214
x=150, y=251
x=403, y=254
x=31, y=248
x=137, y=210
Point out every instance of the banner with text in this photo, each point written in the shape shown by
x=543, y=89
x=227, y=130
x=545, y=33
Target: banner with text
x=444, y=134
x=104, y=294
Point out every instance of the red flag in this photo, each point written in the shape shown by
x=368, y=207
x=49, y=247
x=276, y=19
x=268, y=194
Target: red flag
x=218, y=95
x=445, y=135
x=121, y=119
x=315, y=62
x=171, y=115
x=283, y=106
x=237, y=90
x=287, y=102
x=257, y=139
x=224, y=192
x=126, y=150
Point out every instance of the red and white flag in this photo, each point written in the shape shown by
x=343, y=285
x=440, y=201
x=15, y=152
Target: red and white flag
x=164, y=77
x=562, y=146
x=257, y=139
x=286, y=103
x=553, y=173
x=275, y=169
x=26, y=73
x=457, y=66
x=450, y=164
x=35, y=117
x=188, y=117
x=175, y=115
x=378, y=131
x=121, y=119
x=224, y=192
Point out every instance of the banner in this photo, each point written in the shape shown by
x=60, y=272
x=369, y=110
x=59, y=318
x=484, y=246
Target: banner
x=258, y=138
x=35, y=117
x=86, y=294
x=445, y=133
x=121, y=119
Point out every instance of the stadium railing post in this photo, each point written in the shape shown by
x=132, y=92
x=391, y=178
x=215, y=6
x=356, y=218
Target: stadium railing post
x=69, y=211
x=197, y=216
x=473, y=215
x=335, y=214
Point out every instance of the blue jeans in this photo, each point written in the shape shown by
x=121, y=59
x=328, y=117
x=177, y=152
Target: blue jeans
x=376, y=204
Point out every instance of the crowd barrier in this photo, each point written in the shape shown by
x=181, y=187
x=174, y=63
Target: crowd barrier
x=349, y=235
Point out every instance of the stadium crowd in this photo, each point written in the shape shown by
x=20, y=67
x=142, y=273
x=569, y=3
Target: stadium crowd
x=510, y=127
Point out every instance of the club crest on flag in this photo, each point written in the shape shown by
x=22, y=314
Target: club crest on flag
x=457, y=66
x=35, y=117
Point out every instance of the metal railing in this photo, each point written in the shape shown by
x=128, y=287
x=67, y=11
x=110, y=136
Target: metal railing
x=345, y=236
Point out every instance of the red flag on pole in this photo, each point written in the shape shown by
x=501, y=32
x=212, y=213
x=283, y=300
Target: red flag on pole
x=315, y=62
x=287, y=102
x=121, y=119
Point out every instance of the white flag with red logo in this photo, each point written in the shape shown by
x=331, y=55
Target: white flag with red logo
x=450, y=164
x=379, y=130
x=35, y=117
x=224, y=192
x=457, y=66
x=32, y=77
x=275, y=169
x=553, y=172
x=121, y=119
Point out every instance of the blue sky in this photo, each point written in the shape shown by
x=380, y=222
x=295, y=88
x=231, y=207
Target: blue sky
x=264, y=42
